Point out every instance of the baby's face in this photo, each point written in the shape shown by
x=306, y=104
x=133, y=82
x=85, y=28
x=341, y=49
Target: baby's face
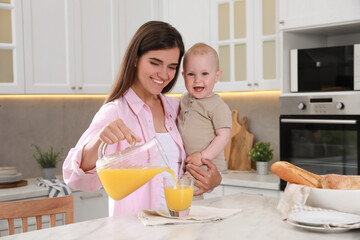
x=201, y=74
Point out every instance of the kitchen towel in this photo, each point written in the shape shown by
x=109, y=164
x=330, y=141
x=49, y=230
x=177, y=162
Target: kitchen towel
x=198, y=214
x=304, y=208
x=56, y=188
x=294, y=194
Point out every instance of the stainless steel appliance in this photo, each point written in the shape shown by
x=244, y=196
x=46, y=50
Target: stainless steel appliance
x=321, y=133
x=325, y=69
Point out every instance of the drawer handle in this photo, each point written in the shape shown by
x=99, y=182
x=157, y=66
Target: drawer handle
x=99, y=195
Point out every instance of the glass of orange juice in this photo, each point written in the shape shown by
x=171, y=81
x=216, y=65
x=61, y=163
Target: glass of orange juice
x=179, y=195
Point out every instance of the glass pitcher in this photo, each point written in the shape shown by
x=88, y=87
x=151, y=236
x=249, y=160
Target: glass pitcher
x=123, y=172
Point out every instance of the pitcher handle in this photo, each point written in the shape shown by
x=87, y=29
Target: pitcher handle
x=103, y=146
x=101, y=150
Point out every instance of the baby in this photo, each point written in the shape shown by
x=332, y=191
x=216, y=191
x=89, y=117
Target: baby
x=205, y=119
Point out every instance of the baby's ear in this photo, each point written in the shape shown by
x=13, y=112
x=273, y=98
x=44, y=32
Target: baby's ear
x=218, y=75
x=183, y=74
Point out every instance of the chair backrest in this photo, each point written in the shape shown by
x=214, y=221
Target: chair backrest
x=37, y=208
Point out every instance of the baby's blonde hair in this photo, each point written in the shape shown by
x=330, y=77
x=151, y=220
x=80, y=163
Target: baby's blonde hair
x=201, y=49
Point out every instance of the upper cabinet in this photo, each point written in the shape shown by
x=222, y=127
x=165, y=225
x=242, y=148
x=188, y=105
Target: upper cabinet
x=70, y=46
x=192, y=19
x=308, y=13
x=245, y=33
x=313, y=24
x=66, y=46
x=11, y=47
x=76, y=46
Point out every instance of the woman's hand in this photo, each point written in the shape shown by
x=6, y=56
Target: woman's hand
x=204, y=180
x=113, y=132
x=117, y=131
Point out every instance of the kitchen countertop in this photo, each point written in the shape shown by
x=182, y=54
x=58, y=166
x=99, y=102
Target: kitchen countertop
x=233, y=178
x=258, y=220
x=31, y=190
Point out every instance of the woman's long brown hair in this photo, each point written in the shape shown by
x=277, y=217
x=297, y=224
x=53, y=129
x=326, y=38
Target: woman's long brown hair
x=153, y=35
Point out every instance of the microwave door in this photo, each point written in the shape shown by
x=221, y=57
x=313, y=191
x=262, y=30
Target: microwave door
x=294, y=70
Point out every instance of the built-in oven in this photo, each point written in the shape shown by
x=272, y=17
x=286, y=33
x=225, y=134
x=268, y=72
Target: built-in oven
x=321, y=134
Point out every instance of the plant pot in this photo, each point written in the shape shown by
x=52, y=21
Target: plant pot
x=262, y=168
x=48, y=173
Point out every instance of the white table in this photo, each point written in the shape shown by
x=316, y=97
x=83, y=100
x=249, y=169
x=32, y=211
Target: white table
x=258, y=220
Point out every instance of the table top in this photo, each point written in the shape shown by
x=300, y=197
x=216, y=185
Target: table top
x=259, y=219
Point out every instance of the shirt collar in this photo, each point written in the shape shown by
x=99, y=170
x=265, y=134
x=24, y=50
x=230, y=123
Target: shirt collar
x=136, y=104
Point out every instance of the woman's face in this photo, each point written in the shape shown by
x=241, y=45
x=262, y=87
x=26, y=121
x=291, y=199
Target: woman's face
x=155, y=70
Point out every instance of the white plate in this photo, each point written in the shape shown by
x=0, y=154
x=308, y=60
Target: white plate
x=11, y=178
x=323, y=217
x=319, y=229
x=5, y=171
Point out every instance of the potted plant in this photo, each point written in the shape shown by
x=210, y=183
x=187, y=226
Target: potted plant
x=48, y=160
x=262, y=153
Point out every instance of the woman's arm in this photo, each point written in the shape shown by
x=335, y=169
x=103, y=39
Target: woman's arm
x=204, y=180
x=113, y=132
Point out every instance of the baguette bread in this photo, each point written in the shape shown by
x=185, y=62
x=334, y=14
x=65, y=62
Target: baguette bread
x=294, y=174
x=344, y=182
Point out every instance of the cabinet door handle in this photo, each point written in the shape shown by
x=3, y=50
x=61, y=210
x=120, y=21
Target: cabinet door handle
x=99, y=195
x=73, y=87
x=249, y=84
x=80, y=88
x=281, y=21
x=256, y=84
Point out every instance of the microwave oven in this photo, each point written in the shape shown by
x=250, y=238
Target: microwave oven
x=325, y=69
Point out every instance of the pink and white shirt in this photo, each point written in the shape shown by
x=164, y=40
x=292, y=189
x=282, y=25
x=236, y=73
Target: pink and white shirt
x=138, y=117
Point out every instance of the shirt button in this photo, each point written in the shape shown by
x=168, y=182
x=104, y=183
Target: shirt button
x=170, y=128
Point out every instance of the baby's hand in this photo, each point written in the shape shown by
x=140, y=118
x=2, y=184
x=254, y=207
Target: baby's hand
x=194, y=158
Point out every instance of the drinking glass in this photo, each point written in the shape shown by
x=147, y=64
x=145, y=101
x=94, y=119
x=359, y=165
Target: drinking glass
x=179, y=195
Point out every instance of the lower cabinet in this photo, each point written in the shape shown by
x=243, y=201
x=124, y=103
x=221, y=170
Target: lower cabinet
x=228, y=190
x=224, y=190
x=90, y=205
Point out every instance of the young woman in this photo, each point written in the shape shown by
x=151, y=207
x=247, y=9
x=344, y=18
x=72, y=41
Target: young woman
x=137, y=109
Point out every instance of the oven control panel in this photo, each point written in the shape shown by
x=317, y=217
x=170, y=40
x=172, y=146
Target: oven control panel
x=344, y=104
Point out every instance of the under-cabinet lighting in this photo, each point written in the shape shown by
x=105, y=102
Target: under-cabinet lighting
x=102, y=96
x=68, y=96
x=237, y=94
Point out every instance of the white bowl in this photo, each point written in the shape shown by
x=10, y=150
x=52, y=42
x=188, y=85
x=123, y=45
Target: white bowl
x=340, y=200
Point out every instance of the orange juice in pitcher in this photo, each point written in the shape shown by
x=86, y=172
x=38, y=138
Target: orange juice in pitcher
x=123, y=172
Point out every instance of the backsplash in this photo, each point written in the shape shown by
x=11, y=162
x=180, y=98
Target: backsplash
x=60, y=121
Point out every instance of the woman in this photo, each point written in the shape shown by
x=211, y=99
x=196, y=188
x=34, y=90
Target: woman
x=137, y=109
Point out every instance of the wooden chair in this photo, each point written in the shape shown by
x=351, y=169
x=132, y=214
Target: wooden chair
x=37, y=208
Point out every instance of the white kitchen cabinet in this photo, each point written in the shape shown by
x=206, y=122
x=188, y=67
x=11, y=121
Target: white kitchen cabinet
x=308, y=13
x=11, y=48
x=313, y=26
x=245, y=33
x=192, y=20
x=70, y=46
x=246, y=182
x=228, y=190
x=90, y=205
x=217, y=192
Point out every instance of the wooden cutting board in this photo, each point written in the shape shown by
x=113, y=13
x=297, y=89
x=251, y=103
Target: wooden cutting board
x=235, y=129
x=241, y=144
x=14, y=184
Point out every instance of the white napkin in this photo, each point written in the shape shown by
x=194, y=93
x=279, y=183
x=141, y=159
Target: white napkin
x=198, y=214
x=294, y=194
x=304, y=208
x=294, y=199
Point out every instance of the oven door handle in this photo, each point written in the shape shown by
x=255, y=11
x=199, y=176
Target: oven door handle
x=319, y=121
